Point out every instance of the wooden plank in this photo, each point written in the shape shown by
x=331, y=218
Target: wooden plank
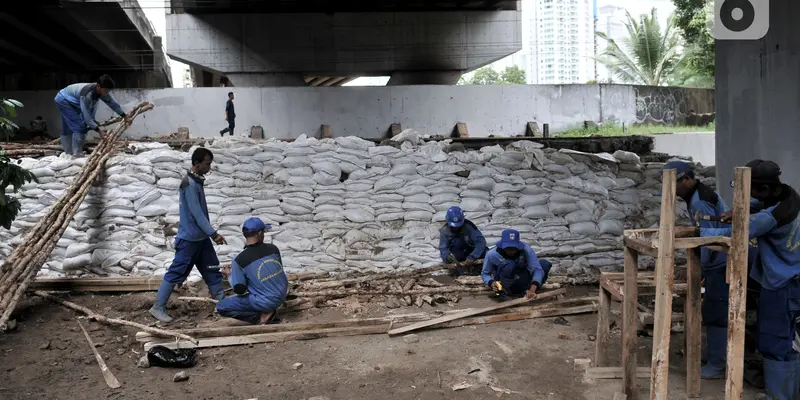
x=630, y=326
x=665, y=265
x=615, y=373
x=737, y=274
x=612, y=287
x=690, y=243
x=692, y=309
x=109, y=377
x=647, y=318
x=640, y=246
x=512, y=303
x=603, y=323
x=364, y=330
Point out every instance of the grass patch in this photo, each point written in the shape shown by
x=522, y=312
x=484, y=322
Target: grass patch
x=616, y=130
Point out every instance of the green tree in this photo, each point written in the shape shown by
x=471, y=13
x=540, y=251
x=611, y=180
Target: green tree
x=693, y=18
x=513, y=75
x=647, y=56
x=11, y=174
x=485, y=76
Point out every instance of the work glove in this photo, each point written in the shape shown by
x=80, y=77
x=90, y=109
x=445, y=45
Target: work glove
x=451, y=259
x=470, y=260
x=493, y=285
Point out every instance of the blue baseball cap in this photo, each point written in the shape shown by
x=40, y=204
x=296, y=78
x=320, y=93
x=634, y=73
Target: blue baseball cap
x=681, y=168
x=255, y=224
x=510, y=238
x=455, y=217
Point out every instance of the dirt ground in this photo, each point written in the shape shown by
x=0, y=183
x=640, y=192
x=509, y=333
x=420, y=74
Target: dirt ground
x=47, y=357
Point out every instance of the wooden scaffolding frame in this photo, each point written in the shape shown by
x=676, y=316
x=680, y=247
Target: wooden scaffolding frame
x=662, y=243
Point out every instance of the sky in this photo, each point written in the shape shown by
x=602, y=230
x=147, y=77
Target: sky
x=155, y=12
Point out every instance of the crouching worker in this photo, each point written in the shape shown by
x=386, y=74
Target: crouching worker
x=512, y=267
x=257, y=278
x=460, y=241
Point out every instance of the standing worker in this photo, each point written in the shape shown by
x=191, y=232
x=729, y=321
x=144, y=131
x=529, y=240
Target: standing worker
x=703, y=201
x=513, y=268
x=230, y=116
x=78, y=106
x=460, y=241
x=257, y=278
x=775, y=224
x=193, y=248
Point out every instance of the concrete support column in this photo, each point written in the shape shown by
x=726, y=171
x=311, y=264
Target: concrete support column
x=757, y=98
x=266, y=79
x=400, y=78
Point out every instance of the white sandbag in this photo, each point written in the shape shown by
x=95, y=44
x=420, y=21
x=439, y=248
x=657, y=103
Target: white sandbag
x=77, y=262
x=533, y=200
x=611, y=227
x=536, y=212
x=388, y=183
x=419, y=215
x=474, y=204
x=584, y=229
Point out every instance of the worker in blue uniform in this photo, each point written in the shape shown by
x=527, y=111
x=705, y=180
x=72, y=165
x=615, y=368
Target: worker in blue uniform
x=257, y=278
x=775, y=224
x=193, y=246
x=704, y=201
x=514, y=265
x=460, y=241
x=78, y=106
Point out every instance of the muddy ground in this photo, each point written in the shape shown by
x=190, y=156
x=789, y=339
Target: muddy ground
x=47, y=357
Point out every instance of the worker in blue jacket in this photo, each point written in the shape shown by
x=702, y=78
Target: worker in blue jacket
x=78, y=106
x=257, y=278
x=704, y=201
x=775, y=224
x=460, y=241
x=193, y=246
x=515, y=266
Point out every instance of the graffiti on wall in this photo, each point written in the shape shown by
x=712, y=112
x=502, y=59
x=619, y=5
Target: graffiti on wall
x=660, y=105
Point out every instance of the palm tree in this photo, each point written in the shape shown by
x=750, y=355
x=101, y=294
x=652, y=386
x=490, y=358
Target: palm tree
x=647, y=56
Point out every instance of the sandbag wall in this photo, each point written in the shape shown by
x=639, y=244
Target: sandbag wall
x=346, y=204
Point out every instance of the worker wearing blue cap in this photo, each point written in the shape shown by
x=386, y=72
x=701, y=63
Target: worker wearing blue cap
x=193, y=247
x=775, y=224
x=459, y=239
x=257, y=278
x=702, y=201
x=514, y=264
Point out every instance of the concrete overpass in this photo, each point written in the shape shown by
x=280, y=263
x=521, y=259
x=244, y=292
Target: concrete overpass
x=51, y=43
x=758, y=98
x=327, y=43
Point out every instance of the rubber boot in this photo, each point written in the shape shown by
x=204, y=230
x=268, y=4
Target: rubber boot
x=717, y=351
x=782, y=379
x=217, y=292
x=159, y=308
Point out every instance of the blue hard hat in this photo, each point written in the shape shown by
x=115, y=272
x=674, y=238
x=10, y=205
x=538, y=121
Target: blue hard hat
x=454, y=217
x=510, y=238
x=681, y=168
x=255, y=224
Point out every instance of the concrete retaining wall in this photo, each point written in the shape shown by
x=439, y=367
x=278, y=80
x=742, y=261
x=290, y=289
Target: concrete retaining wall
x=700, y=146
x=368, y=112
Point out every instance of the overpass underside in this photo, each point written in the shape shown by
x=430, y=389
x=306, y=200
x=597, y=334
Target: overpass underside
x=326, y=43
x=50, y=44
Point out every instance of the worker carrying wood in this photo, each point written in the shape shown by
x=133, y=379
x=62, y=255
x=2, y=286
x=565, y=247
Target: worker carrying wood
x=257, y=278
x=460, y=241
x=193, y=246
x=775, y=224
x=706, y=208
x=514, y=265
x=78, y=106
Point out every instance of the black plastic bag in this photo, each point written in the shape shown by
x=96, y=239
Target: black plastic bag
x=161, y=356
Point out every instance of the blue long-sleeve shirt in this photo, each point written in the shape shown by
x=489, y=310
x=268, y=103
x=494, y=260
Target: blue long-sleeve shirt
x=706, y=201
x=493, y=262
x=85, y=97
x=776, y=228
x=194, y=225
x=257, y=272
x=468, y=242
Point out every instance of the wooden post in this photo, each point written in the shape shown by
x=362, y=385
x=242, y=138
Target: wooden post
x=737, y=259
x=394, y=130
x=603, y=322
x=460, y=130
x=532, y=129
x=630, y=323
x=325, y=131
x=665, y=267
x=692, y=310
x=545, y=130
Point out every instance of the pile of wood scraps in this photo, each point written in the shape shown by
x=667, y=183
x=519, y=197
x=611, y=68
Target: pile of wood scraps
x=392, y=325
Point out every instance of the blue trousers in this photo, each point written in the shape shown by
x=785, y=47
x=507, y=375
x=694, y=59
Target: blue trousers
x=777, y=314
x=242, y=308
x=73, y=127
x=462, y=254
x=519, y=280
x=715, y=300
x=187, y=255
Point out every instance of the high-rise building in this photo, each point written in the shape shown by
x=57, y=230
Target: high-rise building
x=610, y=20
x=563, y=41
